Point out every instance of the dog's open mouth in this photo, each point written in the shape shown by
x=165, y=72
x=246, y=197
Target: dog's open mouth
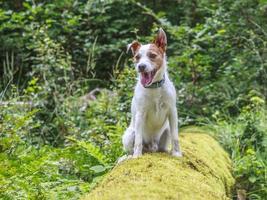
x=147, y=77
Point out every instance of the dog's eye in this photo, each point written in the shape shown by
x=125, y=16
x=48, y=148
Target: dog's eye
x=152, y=55
x=137, y=57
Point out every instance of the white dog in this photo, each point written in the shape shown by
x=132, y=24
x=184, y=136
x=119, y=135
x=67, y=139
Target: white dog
x=154, y=115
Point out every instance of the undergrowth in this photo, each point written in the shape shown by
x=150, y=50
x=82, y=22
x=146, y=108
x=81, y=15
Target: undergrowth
x=245, y=138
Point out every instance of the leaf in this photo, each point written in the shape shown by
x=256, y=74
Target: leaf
x=222, y=31
x=252, y=179
x=98, y=168
x=263, y=2
x=72, y=188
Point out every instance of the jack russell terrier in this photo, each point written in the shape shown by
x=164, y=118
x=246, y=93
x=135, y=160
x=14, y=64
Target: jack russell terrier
x=154, y=120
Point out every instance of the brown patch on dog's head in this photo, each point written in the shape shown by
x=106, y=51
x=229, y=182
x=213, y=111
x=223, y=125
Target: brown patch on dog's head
x=134, y=46
x=155, y=55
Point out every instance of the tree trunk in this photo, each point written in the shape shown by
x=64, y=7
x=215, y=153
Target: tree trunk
x=204, y=172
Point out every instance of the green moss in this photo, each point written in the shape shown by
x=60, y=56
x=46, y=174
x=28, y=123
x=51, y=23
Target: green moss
x=204, y=172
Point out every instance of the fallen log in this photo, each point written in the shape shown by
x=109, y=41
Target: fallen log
x=204, y=172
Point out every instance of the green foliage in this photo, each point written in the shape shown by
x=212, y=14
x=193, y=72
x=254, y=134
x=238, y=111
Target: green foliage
x=30, y=172
x=245, y=137
x=87, y=30
x=213, y=64
x=69, y=171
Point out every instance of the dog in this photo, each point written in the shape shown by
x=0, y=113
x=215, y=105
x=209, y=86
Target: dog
x=154, y=122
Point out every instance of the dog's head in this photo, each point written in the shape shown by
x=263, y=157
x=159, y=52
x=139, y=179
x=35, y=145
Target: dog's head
x=149, y=58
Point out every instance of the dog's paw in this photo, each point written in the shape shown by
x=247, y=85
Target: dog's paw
x=177, y=154
x=137, y=154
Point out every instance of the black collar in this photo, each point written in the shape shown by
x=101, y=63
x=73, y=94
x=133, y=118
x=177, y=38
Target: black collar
x=157, y=84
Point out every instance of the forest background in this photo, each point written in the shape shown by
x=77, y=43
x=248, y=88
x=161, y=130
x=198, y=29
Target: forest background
x=66, y=85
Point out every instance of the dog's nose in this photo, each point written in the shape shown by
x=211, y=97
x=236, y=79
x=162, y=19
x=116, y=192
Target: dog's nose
x=141, y=67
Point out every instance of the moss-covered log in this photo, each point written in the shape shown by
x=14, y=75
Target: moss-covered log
x=204, y=172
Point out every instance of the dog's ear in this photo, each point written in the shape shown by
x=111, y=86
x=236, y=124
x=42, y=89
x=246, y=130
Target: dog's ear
x=134, y=46
x=161, y=40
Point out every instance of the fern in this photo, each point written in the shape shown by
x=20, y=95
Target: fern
x=93, y=150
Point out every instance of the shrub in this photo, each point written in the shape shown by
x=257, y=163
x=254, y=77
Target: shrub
x=245, y=138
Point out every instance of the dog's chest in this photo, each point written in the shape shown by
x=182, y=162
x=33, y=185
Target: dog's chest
x=157, y=110
x=159, y=105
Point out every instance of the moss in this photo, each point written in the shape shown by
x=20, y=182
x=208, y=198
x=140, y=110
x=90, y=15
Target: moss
x=204, y=172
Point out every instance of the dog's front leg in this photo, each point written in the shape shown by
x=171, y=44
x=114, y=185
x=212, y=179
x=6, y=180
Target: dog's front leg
x=173, y=121
x=139, y=128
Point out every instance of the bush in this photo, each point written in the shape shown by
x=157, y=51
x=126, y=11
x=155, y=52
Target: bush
x=92, y=142
x=245, y=138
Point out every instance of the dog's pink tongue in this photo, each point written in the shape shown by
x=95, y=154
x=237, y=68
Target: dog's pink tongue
x=146, y=79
